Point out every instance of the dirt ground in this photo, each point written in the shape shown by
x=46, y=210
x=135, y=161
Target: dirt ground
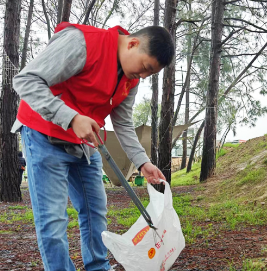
x=19, y=251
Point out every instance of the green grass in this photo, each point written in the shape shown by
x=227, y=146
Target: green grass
x=73, y=218
x=6, y=232
x=231, y=145
x=222, y=152
x=197, y=220
x=17, y=207
x=261, y=145
x=182, y=178
x=251, y=176
x=11, y=217
x=249, y=265
x=127, y=216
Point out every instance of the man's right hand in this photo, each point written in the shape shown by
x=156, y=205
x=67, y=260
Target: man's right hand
x=84, y=127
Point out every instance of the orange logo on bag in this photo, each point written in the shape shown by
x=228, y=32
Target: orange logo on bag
x=151, y=253
x=140, y=235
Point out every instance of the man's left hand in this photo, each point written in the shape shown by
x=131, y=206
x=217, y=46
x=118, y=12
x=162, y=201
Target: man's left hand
x=152, y=173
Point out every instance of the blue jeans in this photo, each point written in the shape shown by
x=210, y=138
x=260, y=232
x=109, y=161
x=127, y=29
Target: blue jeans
x=54, y=175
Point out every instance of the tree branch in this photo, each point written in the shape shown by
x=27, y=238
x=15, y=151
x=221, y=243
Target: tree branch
x=238, y=55
x=247, y=22
x=47, y=20
x=88, y=11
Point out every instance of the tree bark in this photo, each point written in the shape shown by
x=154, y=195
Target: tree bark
x=184, y=138
x=26, y=38
x=59, y=11
x=66, y=10
x=208, y=164
x=9, y=171
x=90, y=7
x=154, y=102
x=192, y=154
x=47, y=20
x=189, y=45
x=167, y=106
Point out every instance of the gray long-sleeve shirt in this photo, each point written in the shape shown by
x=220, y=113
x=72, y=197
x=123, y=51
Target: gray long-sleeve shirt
x=64, y=57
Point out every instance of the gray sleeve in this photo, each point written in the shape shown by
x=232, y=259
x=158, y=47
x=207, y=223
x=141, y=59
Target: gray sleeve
x=64, y=57
x=121, y=118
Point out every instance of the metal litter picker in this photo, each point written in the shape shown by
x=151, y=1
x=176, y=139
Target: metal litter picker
x=122, y=179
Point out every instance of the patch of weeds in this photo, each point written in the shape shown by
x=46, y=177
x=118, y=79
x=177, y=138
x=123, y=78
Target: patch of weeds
x=3, y=217
x=128, y=221
x=234, y=213
x=264, y=249
x=6, y=232
x=34, y=264
x=73, y=224
x=180, y=177
x=251, y=176
x=200, y=197
x=73, y=216
x=222, y=152
x=127, y=216
x=253, y=265
x=226, y=183
x=17, y=207
x=191, y=232
x=200, y=188
x=231, y=145
x=265, y=161
x=28, y=216
x=245, y=158
x=10, y=217
x=72, y=213
x=261, y=145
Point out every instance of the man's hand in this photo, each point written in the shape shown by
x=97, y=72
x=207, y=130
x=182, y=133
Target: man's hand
x=152, y=173
x=84, y=127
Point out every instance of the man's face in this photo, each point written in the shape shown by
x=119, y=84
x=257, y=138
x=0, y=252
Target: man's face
x=136, y=63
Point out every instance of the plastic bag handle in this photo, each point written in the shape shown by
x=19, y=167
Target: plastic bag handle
x=167, y=194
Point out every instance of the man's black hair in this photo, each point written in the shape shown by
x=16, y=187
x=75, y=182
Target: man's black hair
x=19, y=154
x=160, y=43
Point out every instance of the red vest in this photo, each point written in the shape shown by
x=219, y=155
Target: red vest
x=90, y=91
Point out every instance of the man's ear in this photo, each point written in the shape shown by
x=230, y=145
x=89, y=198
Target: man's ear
x=133, y=42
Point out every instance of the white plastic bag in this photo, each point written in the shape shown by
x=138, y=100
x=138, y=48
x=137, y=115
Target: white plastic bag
x=140, y=248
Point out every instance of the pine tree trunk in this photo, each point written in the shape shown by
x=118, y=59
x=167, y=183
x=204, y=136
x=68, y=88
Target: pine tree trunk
x=66, y=10
x=26, y=38
x=192, y=154
x=9, y=174
x=59, y=11
x=167, y=105
x=208, y=164
x=184, y=157
x=154, y=102
x=47, y=20
x=189, y=45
